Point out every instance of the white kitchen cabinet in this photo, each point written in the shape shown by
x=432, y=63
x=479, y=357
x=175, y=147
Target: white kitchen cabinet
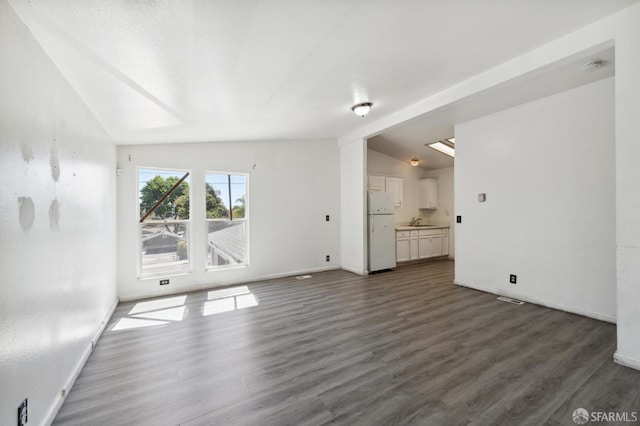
x=403, y=249
x=376, y=183
x=387, y=184
x=427, y=194
x=424, y=247
x=436, y=246
x=412, y=244
x=445, y=244
x=406, y=245
x=394, y=185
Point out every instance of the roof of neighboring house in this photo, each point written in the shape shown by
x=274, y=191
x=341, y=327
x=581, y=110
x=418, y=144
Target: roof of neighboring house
x=230, y=241
x=163, y=233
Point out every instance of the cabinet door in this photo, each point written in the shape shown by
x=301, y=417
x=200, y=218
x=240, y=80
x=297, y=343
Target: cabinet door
x=427, y=194
x=414, y=247
x=394, y=185
x=445, y=244
x=376, y=183
x=436, y=245
x=403, y=250
x=424, y=247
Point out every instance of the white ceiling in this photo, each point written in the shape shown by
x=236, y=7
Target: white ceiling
x=408, y=140
x=198, y=70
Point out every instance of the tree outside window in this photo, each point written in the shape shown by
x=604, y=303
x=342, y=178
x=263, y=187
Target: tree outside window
x=164, y=223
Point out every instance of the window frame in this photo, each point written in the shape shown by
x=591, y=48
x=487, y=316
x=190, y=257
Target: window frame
x=245, y=219
x=141, y=275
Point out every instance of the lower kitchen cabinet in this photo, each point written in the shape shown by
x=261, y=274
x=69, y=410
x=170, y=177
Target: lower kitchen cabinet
x=403, y=249
x=421, y=244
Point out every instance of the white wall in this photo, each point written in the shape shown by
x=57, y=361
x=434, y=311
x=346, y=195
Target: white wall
x=382, y=164
x=445, y=212
x=292, y=186
x=353, y=178
x=57, y=216
x=626, y=29
x=548, y=170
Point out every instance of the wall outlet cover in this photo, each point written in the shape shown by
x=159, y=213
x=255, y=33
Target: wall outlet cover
x=458, y=219
x=513, y=278
x=164, y=282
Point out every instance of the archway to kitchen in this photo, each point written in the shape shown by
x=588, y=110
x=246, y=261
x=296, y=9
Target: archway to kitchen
x=527, y=157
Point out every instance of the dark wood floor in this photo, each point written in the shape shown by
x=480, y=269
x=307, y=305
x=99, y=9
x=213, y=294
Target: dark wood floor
x=400, y=347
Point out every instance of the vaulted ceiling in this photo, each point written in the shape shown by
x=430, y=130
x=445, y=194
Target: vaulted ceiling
x=209, y=70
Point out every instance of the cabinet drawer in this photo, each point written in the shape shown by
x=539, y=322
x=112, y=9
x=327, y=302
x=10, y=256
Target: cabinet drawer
x=403, y=234
x=430, y=231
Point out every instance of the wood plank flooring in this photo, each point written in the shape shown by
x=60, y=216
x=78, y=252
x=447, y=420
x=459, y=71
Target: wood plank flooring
x=400, y=347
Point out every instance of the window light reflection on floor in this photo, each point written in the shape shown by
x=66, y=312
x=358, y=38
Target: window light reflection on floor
x=152, y=313
x=154, y=305
x=228, y=299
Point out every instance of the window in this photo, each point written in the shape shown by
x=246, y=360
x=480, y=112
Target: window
x=164, y=217
x=226, y=203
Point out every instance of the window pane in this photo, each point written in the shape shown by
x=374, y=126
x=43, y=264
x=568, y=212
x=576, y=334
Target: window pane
x=153, y=184
x=165, y=248
x=238, y=195
x=226, y=243
x=217, y=193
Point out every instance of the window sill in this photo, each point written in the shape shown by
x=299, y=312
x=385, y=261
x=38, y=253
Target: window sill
x=226, y=268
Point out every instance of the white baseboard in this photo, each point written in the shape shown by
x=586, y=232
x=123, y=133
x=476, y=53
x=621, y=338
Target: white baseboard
x=595, y=315
x=626, y=361
x=55, y=406
x=355, y=271
x=225, y=283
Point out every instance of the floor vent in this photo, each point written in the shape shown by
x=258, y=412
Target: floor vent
x=303, y=277
x=510, y=300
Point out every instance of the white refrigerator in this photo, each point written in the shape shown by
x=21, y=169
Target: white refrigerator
x=382, y=232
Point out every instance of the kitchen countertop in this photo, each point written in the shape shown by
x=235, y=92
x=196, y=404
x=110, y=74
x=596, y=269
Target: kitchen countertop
x=412, y=228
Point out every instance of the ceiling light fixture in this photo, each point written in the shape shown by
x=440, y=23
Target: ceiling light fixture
x=592, y=66
x=415, y=161
x=362, y=108
x=445, y=146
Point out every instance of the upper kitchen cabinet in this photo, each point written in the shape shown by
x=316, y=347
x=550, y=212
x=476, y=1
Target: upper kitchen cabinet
x=377, y=183
x=387, y=184
x=427, y=194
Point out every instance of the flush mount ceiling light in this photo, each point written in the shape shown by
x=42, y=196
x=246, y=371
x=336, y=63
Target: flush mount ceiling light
x=445, y=146
x=362, y=108
x=592, y=66
x=414, y=162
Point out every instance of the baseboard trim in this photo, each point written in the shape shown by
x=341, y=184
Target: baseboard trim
x=600, y=317
x=209, y=286
x=626, y=361
x=55, y=407
x=355, y=271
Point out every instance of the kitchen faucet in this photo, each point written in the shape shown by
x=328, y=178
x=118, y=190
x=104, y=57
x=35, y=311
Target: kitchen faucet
x=415, y=221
